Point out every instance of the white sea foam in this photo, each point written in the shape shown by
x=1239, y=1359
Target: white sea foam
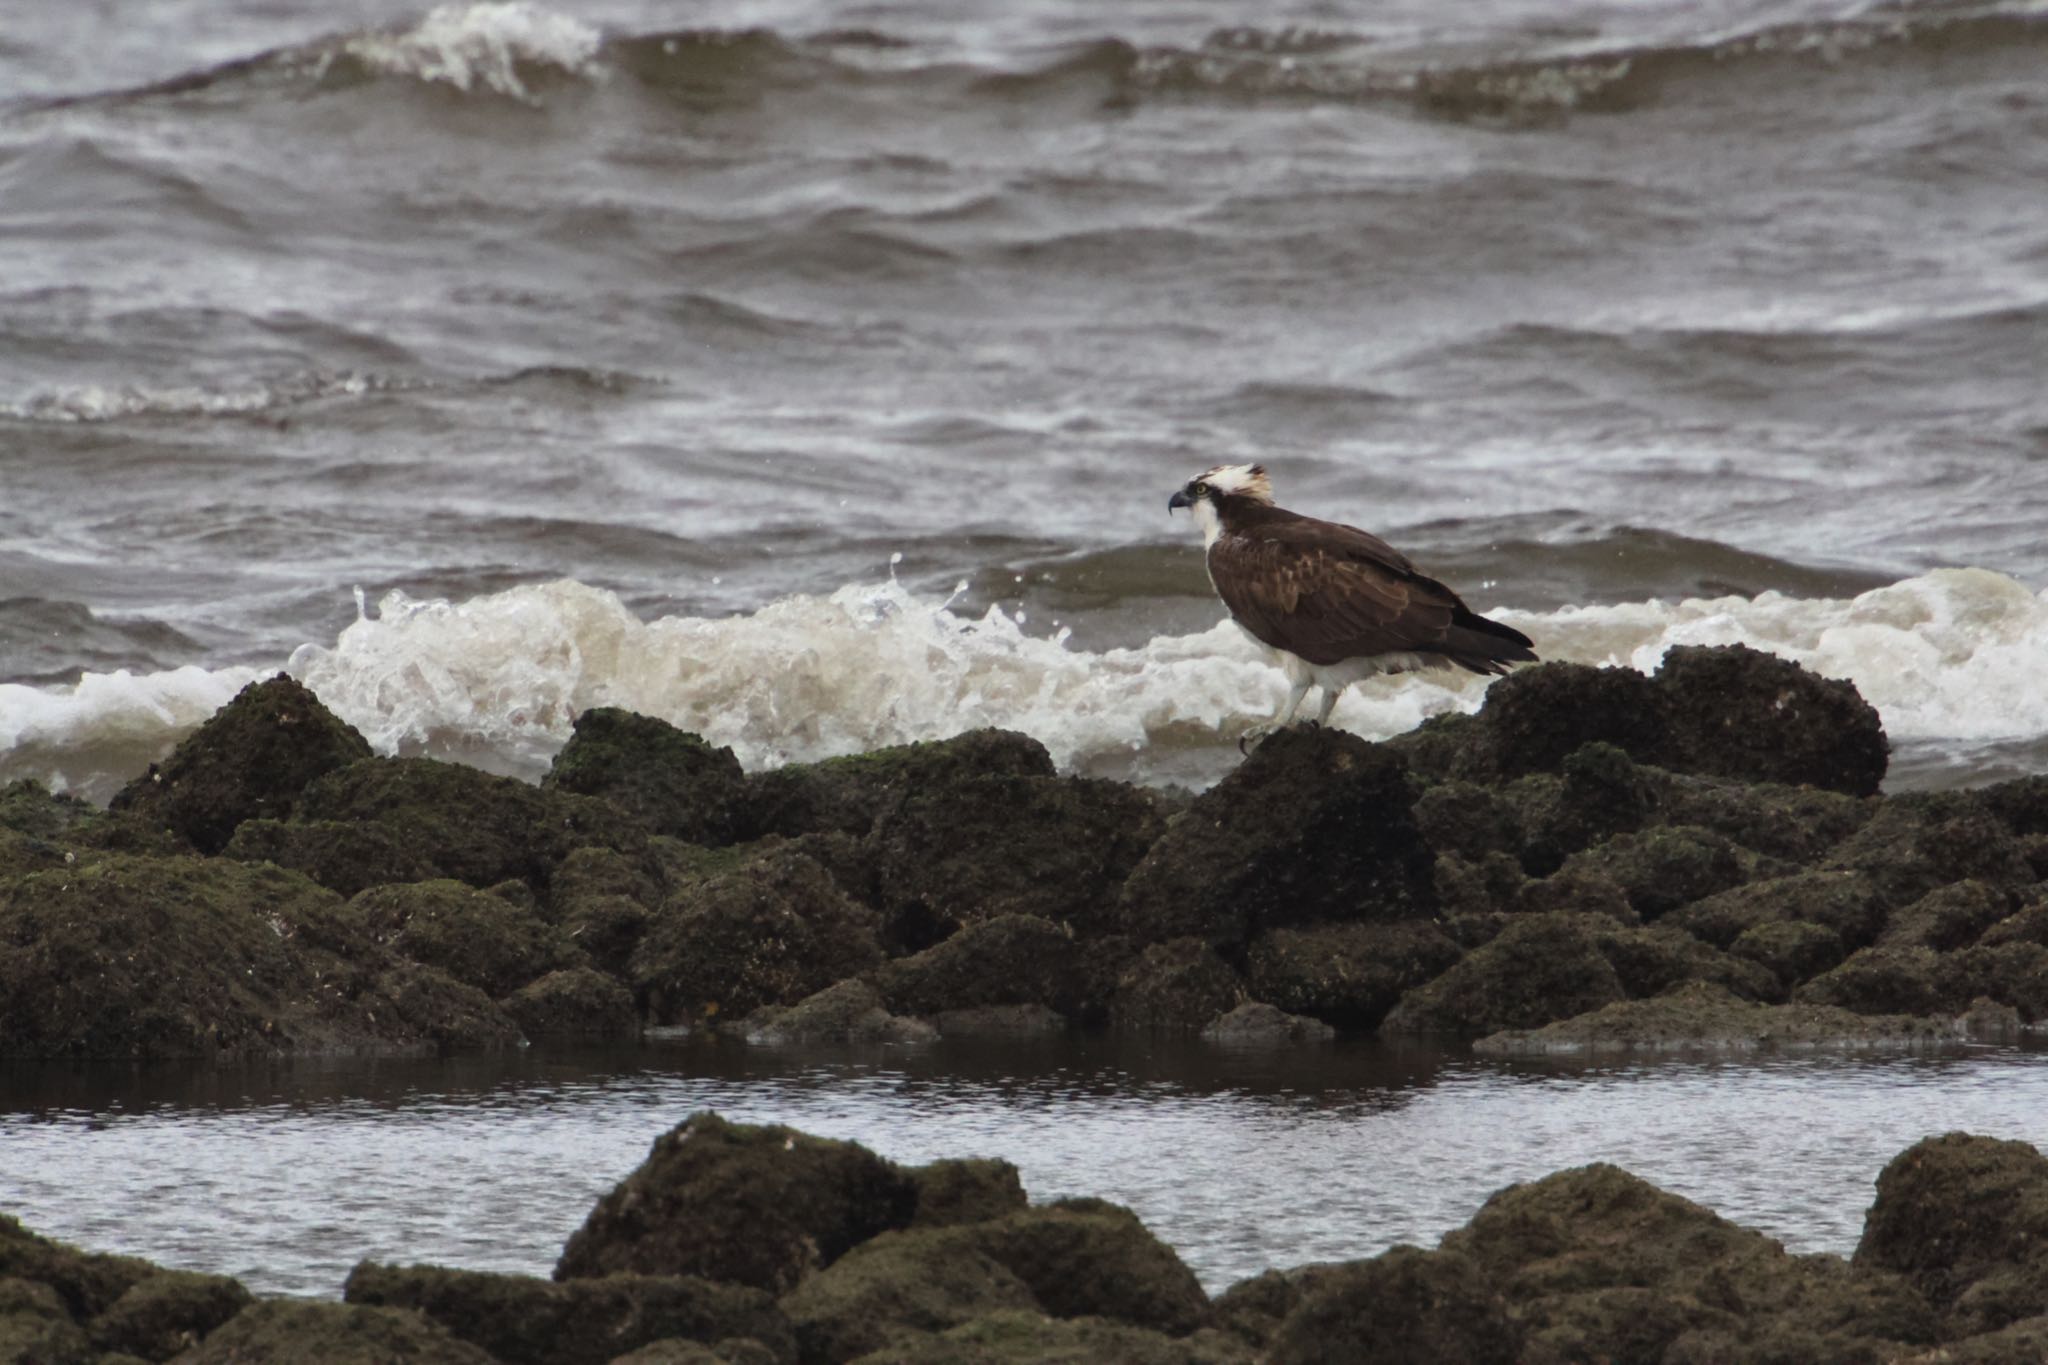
x=1955, y=655
x=482, y=46
x=101, y=403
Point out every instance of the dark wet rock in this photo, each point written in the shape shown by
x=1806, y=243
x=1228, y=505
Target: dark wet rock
x=671, y=781
x=1792, y=950
x=310, y=1332
x=1664, y=868
x=1948, y=917
x=521, y=1320
x=51, y=825
x=2029, y=925
x=85, y=1283
x=35, y=1329
x=478, y=937
x=966, y=1190
x=1849, y=903
x=1918, y=842
x=1566, y=1250
x=346, y=856
x=1001, y=1021
x=1464, y=887
x=1598, y=793
x=1407, y=1305
x=591, y=872
x=1253, y=1022
x=1348, y=975
x=1014, y=1337
x=250, y=760
x=577, y=1002
x=1798, y=824
x=1891, y=981
x=167, y=1313
x=1965, y=1218
x=1252, y=1310
x=849, y=1012
x=850, y=793
x=467, y=824
x=770, y=932
x=1091, y=1258
x=1316, y=825
x=676, y=1351
x=1179, y=986
x=1740, y=713
x=1054, y=847
x=1533, y=719
x=896, y=1285
x=2023, y=1343
x=1584, y=888
x=1702, y=1016
x=608, y=929
x=1008, y=960
x=762, y=1206
x=1653, y=959
x=2014, y=974
x=1540, y=968
x=1468, y=820
x=187, y=957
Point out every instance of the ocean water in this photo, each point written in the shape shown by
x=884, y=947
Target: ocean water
x=814, y=375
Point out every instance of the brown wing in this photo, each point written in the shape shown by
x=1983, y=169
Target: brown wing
x=1329, y=593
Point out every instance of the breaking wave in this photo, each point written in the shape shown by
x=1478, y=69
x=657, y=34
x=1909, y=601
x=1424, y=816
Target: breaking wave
x=1956, y=656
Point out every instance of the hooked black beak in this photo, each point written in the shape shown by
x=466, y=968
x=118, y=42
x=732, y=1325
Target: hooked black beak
x=1180, y=498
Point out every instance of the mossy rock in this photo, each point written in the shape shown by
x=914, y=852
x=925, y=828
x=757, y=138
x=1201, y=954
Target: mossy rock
x=1666, y=867
x=671, y=781
x=770, y=932
x=1846, y=901
x=345, y=856
x=1316, y=825
x=761, y=1206
x=1792, y=950
x=851, y=793
x=167, y=1313
x=251, y=760
x=308, y=1332
x=1023, y=1338
x=1949, y=917
x=577, y=1002
x=1178, y=986
x=1407, y=1305
x=1348, y=975
x=850, y=1012
x=521, y=1320
x=478, y=937
x=899, y=1284
x=1541, y=968
x=1920, y=841
x=1008, y=960
x=965, y=1190
x=1702, y=1017
x=85, y=1284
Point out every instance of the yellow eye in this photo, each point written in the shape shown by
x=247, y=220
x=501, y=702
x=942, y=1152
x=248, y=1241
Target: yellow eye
x=1199, y=489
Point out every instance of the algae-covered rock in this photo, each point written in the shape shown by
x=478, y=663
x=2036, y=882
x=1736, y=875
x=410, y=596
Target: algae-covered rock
x=1176, y=986
x=250, y=760
x=188, y=957
x=1091, y=1258
x=2028, y=925
x=850, y=1012
x=1891, y=981
x=467, y=824
x=1254, y=1022
x=86, y=1284
x=896, y=1285
x=1008, y=960
x=2014, y=974
x=1535, y=717
x=1054, y=847
x=1315, y=825
x=1702, y=1016
x=850, y=793
x=1666, y=867
x=1792, y=950
x=477, y=937
x=608, y=929
x=1738, y=712
x=1848, y=902
x=310, y=1332
x=347, y=856
x=35, y=1329
x=1798, y=824
x=1252, y=1310
x=1919, y=841
x=1599, y=792
x=50, y=824
x=1014, y=1337
x=1560, y=1248
x=763, y=1206
x=168, y=1312
x=1349, y=975
x=521, y=1320
x=1407, y=1305
x=771, y=931
x=965, y=1190
x=1949, y=917
x=671, y=781
x=1965, y=1218
x=1540, y=968
x=576, y=1002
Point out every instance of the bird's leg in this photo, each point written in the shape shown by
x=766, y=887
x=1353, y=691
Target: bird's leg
x=1330, y=695
x=1284, y=717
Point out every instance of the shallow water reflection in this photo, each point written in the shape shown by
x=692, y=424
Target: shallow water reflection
x=286, y=1175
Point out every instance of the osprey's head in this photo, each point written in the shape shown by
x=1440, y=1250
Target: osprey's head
x=1224, y=481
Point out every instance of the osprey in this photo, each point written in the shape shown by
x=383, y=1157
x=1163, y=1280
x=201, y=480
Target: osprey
x=1333, y=603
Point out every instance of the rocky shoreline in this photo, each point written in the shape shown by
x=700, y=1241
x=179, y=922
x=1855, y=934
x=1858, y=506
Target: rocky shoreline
x=1595, y=860
x=738, y=1245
